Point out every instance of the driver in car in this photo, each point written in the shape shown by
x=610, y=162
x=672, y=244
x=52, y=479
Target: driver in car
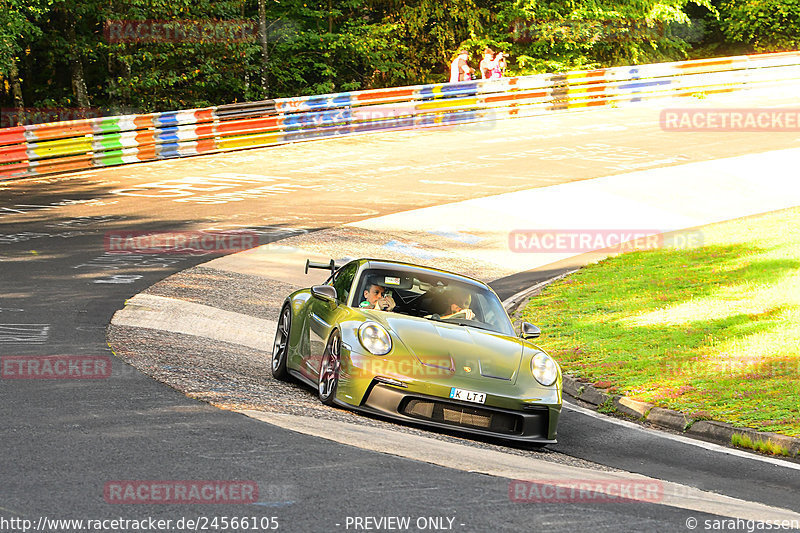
x=459, y=301
x=376, y=298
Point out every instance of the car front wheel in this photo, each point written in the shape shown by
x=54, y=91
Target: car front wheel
x=329, y=370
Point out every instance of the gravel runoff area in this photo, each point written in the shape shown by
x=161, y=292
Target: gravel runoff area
x=235, y=377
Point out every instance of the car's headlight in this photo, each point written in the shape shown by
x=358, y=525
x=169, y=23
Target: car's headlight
x=375, y=338
x=544, y=369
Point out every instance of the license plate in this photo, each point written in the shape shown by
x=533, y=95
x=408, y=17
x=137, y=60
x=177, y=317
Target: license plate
x=467, y=395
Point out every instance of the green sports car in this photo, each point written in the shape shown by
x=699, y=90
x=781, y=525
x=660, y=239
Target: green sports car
x=420, y=345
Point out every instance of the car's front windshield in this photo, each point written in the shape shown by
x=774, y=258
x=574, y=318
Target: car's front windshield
x=433, y=297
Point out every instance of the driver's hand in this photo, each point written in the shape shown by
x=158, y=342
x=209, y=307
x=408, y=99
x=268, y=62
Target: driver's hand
x=468, y=314
x=385, y=304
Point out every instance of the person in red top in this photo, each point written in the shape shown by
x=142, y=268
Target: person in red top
x=499, y=69
x=459, y=68
x=487, y=63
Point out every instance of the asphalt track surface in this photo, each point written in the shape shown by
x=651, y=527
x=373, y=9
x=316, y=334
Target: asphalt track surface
x=64, y=439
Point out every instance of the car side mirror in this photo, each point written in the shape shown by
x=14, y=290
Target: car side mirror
x=529, y=331
x=324, y=292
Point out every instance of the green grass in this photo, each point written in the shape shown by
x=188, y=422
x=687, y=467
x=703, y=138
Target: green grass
x=763, y=446
x=607, y=407
x=712, y=331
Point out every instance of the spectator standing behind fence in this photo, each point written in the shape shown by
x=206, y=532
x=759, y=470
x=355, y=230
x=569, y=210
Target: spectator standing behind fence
x=487, y=63
x=492, y=65
x=459, y=68
x=499, y=69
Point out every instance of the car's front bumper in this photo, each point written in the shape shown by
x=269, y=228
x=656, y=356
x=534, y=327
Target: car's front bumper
x=535, y=423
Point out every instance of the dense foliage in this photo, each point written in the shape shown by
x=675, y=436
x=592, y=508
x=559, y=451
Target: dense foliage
x=144, y=55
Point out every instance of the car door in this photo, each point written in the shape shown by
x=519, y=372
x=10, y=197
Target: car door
x=322, y=317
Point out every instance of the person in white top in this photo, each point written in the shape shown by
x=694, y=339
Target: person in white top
x=459, y=67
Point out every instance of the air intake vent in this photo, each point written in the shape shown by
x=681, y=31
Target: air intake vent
x=458, y=415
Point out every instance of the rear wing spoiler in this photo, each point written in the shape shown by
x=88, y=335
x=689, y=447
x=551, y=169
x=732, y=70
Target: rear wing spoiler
x=332, y=266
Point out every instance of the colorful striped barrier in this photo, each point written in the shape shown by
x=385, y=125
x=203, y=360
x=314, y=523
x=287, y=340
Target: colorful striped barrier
x=106, y=141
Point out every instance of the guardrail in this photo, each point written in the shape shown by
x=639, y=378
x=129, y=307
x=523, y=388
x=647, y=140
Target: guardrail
x=100, y=142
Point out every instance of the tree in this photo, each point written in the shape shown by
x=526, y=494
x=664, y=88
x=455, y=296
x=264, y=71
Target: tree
x=177, y=55
x=766, y=25
x=318, y=47
x=17, y=28
x=558, y=35
x=431, y=31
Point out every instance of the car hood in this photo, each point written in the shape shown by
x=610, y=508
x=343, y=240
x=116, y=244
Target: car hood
x=466, y=351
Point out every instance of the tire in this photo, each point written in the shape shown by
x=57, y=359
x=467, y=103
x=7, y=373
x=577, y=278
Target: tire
x=329, y=370
x=280, y=348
